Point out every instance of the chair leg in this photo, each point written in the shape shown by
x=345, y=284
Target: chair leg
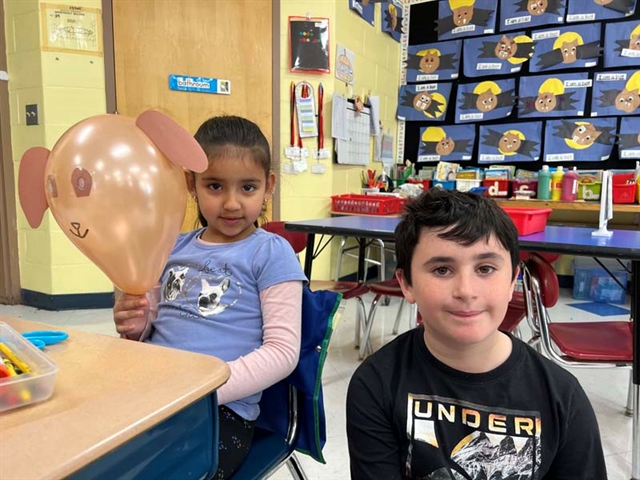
x=339, y=262
x=398, y=316
x=361, y=317
x=517, y=333
x=295, y=468
x=628, y=411
x=368, y=326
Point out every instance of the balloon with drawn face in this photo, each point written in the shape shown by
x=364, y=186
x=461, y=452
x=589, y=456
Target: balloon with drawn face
x=117, y=189
x=537, y=7
x=628, y=100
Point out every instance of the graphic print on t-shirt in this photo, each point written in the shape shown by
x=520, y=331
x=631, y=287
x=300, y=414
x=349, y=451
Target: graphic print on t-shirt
x=450, y=439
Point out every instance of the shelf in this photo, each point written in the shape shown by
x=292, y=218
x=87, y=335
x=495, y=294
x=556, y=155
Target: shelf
x=579, y=205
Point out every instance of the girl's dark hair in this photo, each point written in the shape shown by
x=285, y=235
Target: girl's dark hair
x=228, y=135
x=462, y=217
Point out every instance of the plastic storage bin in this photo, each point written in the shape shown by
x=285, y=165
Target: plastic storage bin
x=597, y=285
x=446, y=184
x=624, y=188
x=497, y=188
x=31, y=387
x=463, y=185
x=589, y=190
x=528, y=220
x=367, y=204
x=525, y=186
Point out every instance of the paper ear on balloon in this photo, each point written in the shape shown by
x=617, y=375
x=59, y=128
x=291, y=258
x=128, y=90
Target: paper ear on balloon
x=31, y=184
x=173, y=140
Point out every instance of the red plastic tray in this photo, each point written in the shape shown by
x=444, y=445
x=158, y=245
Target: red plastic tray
x=528, y=220
x=367, y=204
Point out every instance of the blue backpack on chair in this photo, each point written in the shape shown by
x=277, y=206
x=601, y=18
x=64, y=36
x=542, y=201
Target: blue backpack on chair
x=292, y=411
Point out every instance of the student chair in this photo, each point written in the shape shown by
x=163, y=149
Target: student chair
x=348, y=290
x=572, y=344
x=368, y=258
x=292, y=411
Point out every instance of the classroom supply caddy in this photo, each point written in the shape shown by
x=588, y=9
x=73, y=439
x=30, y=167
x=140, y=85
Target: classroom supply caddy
x=367, y=204
x=26, y=388
x=528, y=220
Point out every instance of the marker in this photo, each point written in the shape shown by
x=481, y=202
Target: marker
x=14, y=359
x=9, y=366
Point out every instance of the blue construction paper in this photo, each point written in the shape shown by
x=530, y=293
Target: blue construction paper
x=478, y=19
x=601, y=309
x=516, y=14
x=447, y=143
x=433, y=61
x=496, y=99
x=579, y=140
x=496, y=54
x=576, y=46
x=629, y=138
x=622, y=44
x=391, y=11
x=616, y=93
x=560, y=95
x=425, y=102
x=589, y=10
x=519, y=142
x=367, y=12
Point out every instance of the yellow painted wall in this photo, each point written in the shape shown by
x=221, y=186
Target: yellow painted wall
x=377, y=69
x=67, y=88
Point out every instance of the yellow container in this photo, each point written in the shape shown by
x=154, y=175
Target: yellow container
x=556, y=183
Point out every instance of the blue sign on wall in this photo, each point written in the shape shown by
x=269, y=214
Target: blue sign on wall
x=185, y=83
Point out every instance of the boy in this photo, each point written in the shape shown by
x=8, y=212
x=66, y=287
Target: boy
x=458, y=399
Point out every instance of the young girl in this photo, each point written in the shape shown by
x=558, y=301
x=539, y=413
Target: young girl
x=229, y=289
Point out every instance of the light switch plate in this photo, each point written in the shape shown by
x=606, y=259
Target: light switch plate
x=31, y=113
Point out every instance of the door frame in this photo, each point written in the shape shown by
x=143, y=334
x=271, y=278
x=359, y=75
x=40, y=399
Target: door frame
x=110, y=84
x=9, y=259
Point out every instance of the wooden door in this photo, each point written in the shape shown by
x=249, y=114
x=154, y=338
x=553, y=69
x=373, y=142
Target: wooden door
x=227, y=39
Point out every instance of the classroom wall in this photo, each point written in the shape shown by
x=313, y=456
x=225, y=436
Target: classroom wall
x=377, y=69
x=67, y=88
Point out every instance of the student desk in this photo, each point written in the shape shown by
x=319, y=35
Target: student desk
x=624, y=244
x=107, y=391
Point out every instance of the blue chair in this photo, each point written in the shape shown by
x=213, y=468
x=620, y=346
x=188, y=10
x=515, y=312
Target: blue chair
x=292, y=411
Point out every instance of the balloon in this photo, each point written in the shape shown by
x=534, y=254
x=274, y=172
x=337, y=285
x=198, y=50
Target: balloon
x=117, y=189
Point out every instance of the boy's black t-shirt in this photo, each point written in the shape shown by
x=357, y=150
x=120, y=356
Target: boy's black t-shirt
x=409, y=416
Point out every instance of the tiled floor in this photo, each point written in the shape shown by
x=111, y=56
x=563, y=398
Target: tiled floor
x=606, y=388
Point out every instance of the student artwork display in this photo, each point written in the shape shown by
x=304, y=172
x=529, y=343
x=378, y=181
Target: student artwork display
x=365, y=8
x=309, y=45
x=566, y=47
x=496, y=54
x=616, y=93
x=629, y=138
x=433, y=61
x=447, y=143
x=465, y=18
x=622, y=44
x=512, y=143
x=589, y=10
x=485, y=100
x=579, y=140
x=392, y=18
x=516, y=14
x=561, y=95
x=424, y=102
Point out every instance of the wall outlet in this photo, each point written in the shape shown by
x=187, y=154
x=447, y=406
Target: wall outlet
x=31, y=114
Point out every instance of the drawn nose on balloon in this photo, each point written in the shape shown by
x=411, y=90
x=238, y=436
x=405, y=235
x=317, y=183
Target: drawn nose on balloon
x=81, y=181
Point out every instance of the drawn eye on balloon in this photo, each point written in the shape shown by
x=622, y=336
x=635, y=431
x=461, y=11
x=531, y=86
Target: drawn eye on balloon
x=116, y=187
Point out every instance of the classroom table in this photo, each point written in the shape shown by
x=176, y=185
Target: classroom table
x=623, y=245
x=108, y=392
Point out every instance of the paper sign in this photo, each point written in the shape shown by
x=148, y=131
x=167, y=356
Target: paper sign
x=345, y=64
x=186, y=83
x=67, y=28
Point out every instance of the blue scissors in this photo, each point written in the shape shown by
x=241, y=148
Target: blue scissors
x=41, y=338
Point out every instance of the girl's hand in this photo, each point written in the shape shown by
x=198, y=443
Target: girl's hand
x=130, y=314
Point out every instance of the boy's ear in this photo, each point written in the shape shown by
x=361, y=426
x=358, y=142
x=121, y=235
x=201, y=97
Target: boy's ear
x=514, y=281
x=407, y=290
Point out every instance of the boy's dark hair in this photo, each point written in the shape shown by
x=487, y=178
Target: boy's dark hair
x=229, y=135
x=461, y=217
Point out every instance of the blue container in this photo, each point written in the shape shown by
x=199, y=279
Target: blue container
x=597, y=285
x=582, y=283
x=447, y=185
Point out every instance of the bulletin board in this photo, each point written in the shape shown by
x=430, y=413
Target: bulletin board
x=562, y=87
x=355, y=149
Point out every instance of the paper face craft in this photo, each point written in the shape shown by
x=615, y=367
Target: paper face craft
x=513, y=143
x=566, y=47
x=465, y=18
x=434, y=61
x=424, y=102
x=629, y=138
x=579, y=140
x=590, y=10
x=392, y=18
x=517, y=14
x=622, y=44
x=562, y=95
x=485, y=100
x=496, y=54
x=616, y=93
x=447, y=143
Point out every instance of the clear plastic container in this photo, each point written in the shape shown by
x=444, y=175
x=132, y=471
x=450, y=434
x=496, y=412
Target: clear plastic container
x=26, y=388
